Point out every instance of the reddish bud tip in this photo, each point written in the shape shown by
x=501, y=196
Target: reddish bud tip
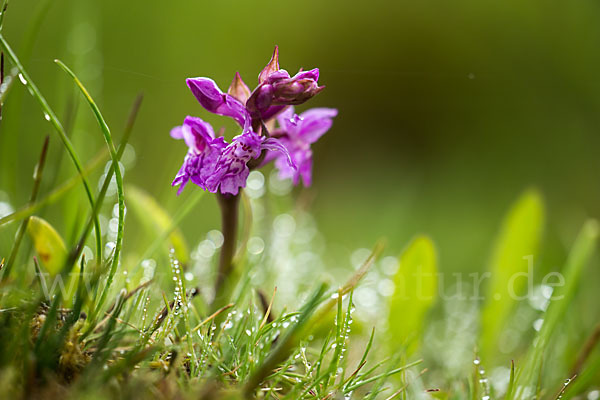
x=271, y=67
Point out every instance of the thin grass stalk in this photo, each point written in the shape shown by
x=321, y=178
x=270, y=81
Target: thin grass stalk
x=118, y=178
x=37, y=181
x=51, y=116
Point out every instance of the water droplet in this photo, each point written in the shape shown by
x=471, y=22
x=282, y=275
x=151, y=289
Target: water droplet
x=216, y=237
x=5, y=209
x=22, y=79
x=593, y=395
x=46, y=116
x=255, y=245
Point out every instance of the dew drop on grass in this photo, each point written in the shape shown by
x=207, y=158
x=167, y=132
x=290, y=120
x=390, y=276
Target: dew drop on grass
x=46, y=117
x=255, y=245
x=5, y=209
x=22, y=79
x=216, y=237
x=593, y=395
x=389, y=265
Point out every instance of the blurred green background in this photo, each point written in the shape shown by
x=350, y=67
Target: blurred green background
x=447, y=110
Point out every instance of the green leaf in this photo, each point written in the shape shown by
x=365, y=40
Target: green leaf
x=416, y=289
x=151, y=213
x=514, y=253
x=48, y=244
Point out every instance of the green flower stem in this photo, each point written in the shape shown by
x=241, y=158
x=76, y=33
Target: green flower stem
x=229, y=205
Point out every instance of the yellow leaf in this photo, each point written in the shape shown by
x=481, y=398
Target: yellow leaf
x=48, y=244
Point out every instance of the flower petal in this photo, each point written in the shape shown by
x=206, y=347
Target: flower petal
x=314, y=123
x=214, y=100
x=272, y=144
x=285, y=119
x=197, y=133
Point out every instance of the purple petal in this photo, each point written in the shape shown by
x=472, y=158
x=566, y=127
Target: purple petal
x=214, y=100
x=176, y=133
x=273, y=145
x=285, y=119
x=270, y=112
x=197, y=133
x=312, y=74
x=314, y=123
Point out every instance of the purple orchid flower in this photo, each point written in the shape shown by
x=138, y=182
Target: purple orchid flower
x=215, y=165
x=212, y=163
x=297, y=133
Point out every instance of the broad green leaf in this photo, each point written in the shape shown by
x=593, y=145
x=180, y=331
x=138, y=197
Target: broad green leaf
x=511, y=265
x=48, y=244
x=416, y=289
x=151, y=213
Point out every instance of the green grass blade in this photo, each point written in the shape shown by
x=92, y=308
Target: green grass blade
x=37, y=180
x=54, y=195
x=118, y=178
x=51, y=116
x=579, y=257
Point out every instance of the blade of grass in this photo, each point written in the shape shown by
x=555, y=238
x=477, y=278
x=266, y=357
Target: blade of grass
x=118, y=178
x=511, y=381
x=37, y=180
x=579, y=256
x=56, y=194
x=383, y=375
x=49, y=113
x=586, y=351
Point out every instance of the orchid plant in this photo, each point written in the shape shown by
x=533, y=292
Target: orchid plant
x=222, y=167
